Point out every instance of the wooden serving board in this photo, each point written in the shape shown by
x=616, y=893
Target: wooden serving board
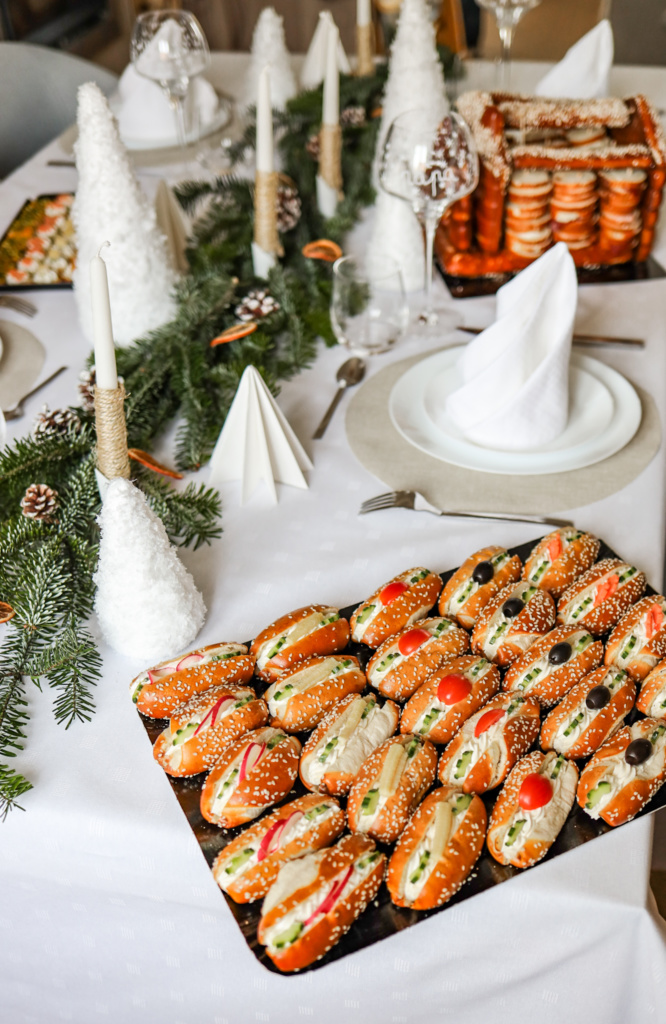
x=381, y=918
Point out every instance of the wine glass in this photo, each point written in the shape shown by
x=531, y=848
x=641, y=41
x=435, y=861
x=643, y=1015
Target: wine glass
x=429, y=166
x=369, y=311
x=170, y=48
x=507, y=14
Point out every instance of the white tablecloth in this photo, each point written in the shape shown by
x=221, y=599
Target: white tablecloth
x=108, y=909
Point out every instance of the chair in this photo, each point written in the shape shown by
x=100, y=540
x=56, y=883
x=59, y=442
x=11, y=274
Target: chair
x=38, y=88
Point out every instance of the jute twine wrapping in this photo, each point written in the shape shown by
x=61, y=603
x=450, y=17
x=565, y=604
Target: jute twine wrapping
x=365, y=65
x=112, y=457
x=265, y=212
x=330, y=148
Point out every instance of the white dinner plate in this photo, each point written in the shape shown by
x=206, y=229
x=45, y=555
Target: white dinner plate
x=221, y=120
x=604, y=414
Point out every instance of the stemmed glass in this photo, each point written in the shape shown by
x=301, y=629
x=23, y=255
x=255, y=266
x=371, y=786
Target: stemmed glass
x=429, y=166
x=507, y=14
x=170, y=48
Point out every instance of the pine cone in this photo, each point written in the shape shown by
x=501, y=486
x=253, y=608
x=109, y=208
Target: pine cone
x=288, y=206
x=60, y=421
x=39, y=502
x=312, y=147
x=257, y=304
x=87, y=389
x=353, y=117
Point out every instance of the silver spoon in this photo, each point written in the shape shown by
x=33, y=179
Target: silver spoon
x=351, y=372
x=17, y=410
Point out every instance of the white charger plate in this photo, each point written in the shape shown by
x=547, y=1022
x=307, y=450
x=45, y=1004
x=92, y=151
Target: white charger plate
x=604, y=414
x=221, y=120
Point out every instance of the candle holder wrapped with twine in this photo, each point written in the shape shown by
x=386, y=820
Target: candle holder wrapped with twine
x=330, y=150
x=265, y=212
x=112, y=457
x=365, y=64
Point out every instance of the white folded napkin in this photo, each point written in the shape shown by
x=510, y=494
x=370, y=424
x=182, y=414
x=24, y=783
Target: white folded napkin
x=515, y=393
x=314, y=65
x=584, y=71
x=143, y=111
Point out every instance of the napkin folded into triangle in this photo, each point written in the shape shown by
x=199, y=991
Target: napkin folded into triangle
x=584, y=71
x=143, y=111
x=314, y=65
x=515, y=374
x=172, y=222
x=256, y=442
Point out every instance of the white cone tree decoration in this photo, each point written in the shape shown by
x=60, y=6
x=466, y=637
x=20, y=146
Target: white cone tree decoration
x=147, y=603
x=416, y=77
x=396, y=238
x=256, y=442
x=110, y=206
x=314, y=65
x=269, y=47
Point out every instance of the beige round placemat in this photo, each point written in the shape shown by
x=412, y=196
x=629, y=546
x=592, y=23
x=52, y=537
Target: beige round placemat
x=20, y=364
x=384, y=451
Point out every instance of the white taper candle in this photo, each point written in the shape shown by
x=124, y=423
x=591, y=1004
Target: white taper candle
x=265, y=160
x=331, y=109
x=105, y=355
x=363, y=14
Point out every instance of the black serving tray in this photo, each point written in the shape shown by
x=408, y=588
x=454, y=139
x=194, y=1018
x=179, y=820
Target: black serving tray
x=471, y=287
x=381, y=918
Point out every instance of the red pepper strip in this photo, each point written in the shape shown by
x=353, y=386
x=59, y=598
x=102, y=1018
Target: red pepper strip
x=606, y=589
x=330, y=900
x=214, y=712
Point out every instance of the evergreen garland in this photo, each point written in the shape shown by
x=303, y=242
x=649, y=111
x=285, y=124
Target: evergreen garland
x=46, y=567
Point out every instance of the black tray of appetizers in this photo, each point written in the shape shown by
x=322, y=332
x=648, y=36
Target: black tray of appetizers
x=382, y=918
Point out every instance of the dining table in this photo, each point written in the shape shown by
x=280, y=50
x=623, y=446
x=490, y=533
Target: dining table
x=109, y=911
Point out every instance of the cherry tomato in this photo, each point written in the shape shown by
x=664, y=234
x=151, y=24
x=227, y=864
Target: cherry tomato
x=488, y=720
x=391, y=591
x=453, y=688
x=410, y=642
x=535, y=792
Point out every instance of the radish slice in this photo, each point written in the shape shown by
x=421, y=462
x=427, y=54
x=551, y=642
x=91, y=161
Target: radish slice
x=253, y=753
x=330, y=900
x=188, y=661
x=273, y=838
x=214, y=712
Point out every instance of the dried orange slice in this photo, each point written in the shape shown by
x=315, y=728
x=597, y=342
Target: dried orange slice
x=150, y=463
x=322, y=249
x=377, y=112
x=6, y=612
x=232, y=333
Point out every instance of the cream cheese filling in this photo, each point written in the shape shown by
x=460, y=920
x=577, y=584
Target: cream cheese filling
x=350, y=751
x=618, y=773
x=576, y=724
x=541, y=823
x=280, y=693
x=293, y=633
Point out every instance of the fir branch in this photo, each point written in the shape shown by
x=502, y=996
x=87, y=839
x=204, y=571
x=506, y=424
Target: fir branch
x=72, y=665
x=190, y=517
x=12, y=786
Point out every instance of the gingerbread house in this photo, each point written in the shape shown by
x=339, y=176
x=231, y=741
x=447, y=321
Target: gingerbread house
x=588, y=173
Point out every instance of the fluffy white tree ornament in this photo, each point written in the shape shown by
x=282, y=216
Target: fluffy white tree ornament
x=147, y=603
x=110, y=206
x=396, y=235
x=269, y=47
x=416, y=77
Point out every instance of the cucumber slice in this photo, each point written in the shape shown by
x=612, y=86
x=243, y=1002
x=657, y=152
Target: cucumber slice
x=584, y=642
x=370, y=801
x=340, y=667
x=274, y=740
x=581, y=608
x=369, y=706
x=514, y=832
x=629, y=646
x=329, y=748
x=365, y=614
x=316, y=812
x=287, y=937
x=184, y=734
x=238, y=861
x=535, y=576
x=556, y=767
x=229, y=782
x=224, y=657
x=419, y=576
x=462, y=803
x=429, y=721
x=531, y=675
x=391, y=656
x=366, y=861
x=479, y=667
x=278, y=646
x=627, y=574
x=595, y=795
x=283, y=694
x=466, y=593
x=575, y=721
x=242, y=702
x=462, y=764
x=412, y=747
x=423, y=863
x=503, y=626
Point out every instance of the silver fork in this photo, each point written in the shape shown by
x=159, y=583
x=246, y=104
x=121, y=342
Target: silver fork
x=416, y=501
x=20, y=305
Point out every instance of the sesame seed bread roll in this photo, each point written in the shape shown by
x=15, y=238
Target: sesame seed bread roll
x=560, y=558
x=254, y=772
x=652, y=697
x=395, y=605
x=638, y=641
x=343, y=739
x=389, y=785
x=449, y=697
x=625, y=773
x=305, y=633
x=159, y=690
x=600, y=597
x=589, y=713
x=303, y=694
x=404, y=661
x=512, y=621
x=247, y=867
x=201, y=728
x=554, y=663
x=438, y=849
x=316, y=899
x=477, y=580
x=488, y=744
x=531, y=808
